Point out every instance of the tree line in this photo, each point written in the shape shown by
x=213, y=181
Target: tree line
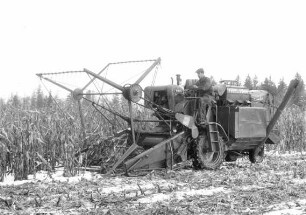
x=39, y=99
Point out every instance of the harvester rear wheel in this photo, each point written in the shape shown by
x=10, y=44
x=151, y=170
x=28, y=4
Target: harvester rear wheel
x=257, y=157
x=205, y=159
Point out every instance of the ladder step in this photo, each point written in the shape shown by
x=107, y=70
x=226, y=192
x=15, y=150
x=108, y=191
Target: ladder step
x=214, y=133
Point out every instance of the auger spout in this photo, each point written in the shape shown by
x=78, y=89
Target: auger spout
x=291, y=89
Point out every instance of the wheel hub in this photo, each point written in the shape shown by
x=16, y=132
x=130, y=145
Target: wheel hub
x=133, y=92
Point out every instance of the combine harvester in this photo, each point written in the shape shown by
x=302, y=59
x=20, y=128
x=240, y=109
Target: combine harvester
x=237, y=122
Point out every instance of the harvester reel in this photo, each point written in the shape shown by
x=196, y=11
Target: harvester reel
x=77, y=94
x=132, y=92
x=206, y=159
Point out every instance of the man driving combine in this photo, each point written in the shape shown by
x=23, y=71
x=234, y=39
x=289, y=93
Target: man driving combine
x=204, y=83
x=204, y=88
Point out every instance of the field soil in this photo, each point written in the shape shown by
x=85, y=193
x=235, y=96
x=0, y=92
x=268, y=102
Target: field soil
x=275, y=186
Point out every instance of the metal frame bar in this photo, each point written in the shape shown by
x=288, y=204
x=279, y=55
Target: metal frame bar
x=84, y=94
x=156, y=62
x=92, y=80
x=113, y=84
x=53, y=82
x=122, y=62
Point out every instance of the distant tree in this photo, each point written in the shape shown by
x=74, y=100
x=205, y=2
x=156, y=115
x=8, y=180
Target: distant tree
x=15, y=101
x=238, y=80
x=26, y=103
x=255, y=82
x=49, y=100
x=39, y=98
x=248, y=82
x=69, y=101
x=299, y=95
x=265, y=83
x=269, y=86
x=282, y=87
x=33, y=101
x=281, y=90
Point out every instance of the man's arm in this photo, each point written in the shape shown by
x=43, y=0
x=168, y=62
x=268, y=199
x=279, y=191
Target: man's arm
x=205, y=84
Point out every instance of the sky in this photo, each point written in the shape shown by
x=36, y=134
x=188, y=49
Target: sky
x=226, y=38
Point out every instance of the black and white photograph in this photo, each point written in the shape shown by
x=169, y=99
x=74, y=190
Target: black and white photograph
x=152, y=107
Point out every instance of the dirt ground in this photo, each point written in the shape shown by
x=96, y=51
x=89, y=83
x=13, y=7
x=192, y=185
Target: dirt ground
x=276, y=186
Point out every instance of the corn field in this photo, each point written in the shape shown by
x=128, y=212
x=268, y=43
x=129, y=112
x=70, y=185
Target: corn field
x=36, y=140
x=291, y=129
x=33, y=140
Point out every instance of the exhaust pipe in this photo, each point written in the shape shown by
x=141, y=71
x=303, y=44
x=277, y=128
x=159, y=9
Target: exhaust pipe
x=178, y=79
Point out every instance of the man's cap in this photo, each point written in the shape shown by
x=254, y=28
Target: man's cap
x=201, y=70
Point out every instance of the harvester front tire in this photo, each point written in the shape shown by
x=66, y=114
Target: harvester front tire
x=208, y=160
x=255, y=157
